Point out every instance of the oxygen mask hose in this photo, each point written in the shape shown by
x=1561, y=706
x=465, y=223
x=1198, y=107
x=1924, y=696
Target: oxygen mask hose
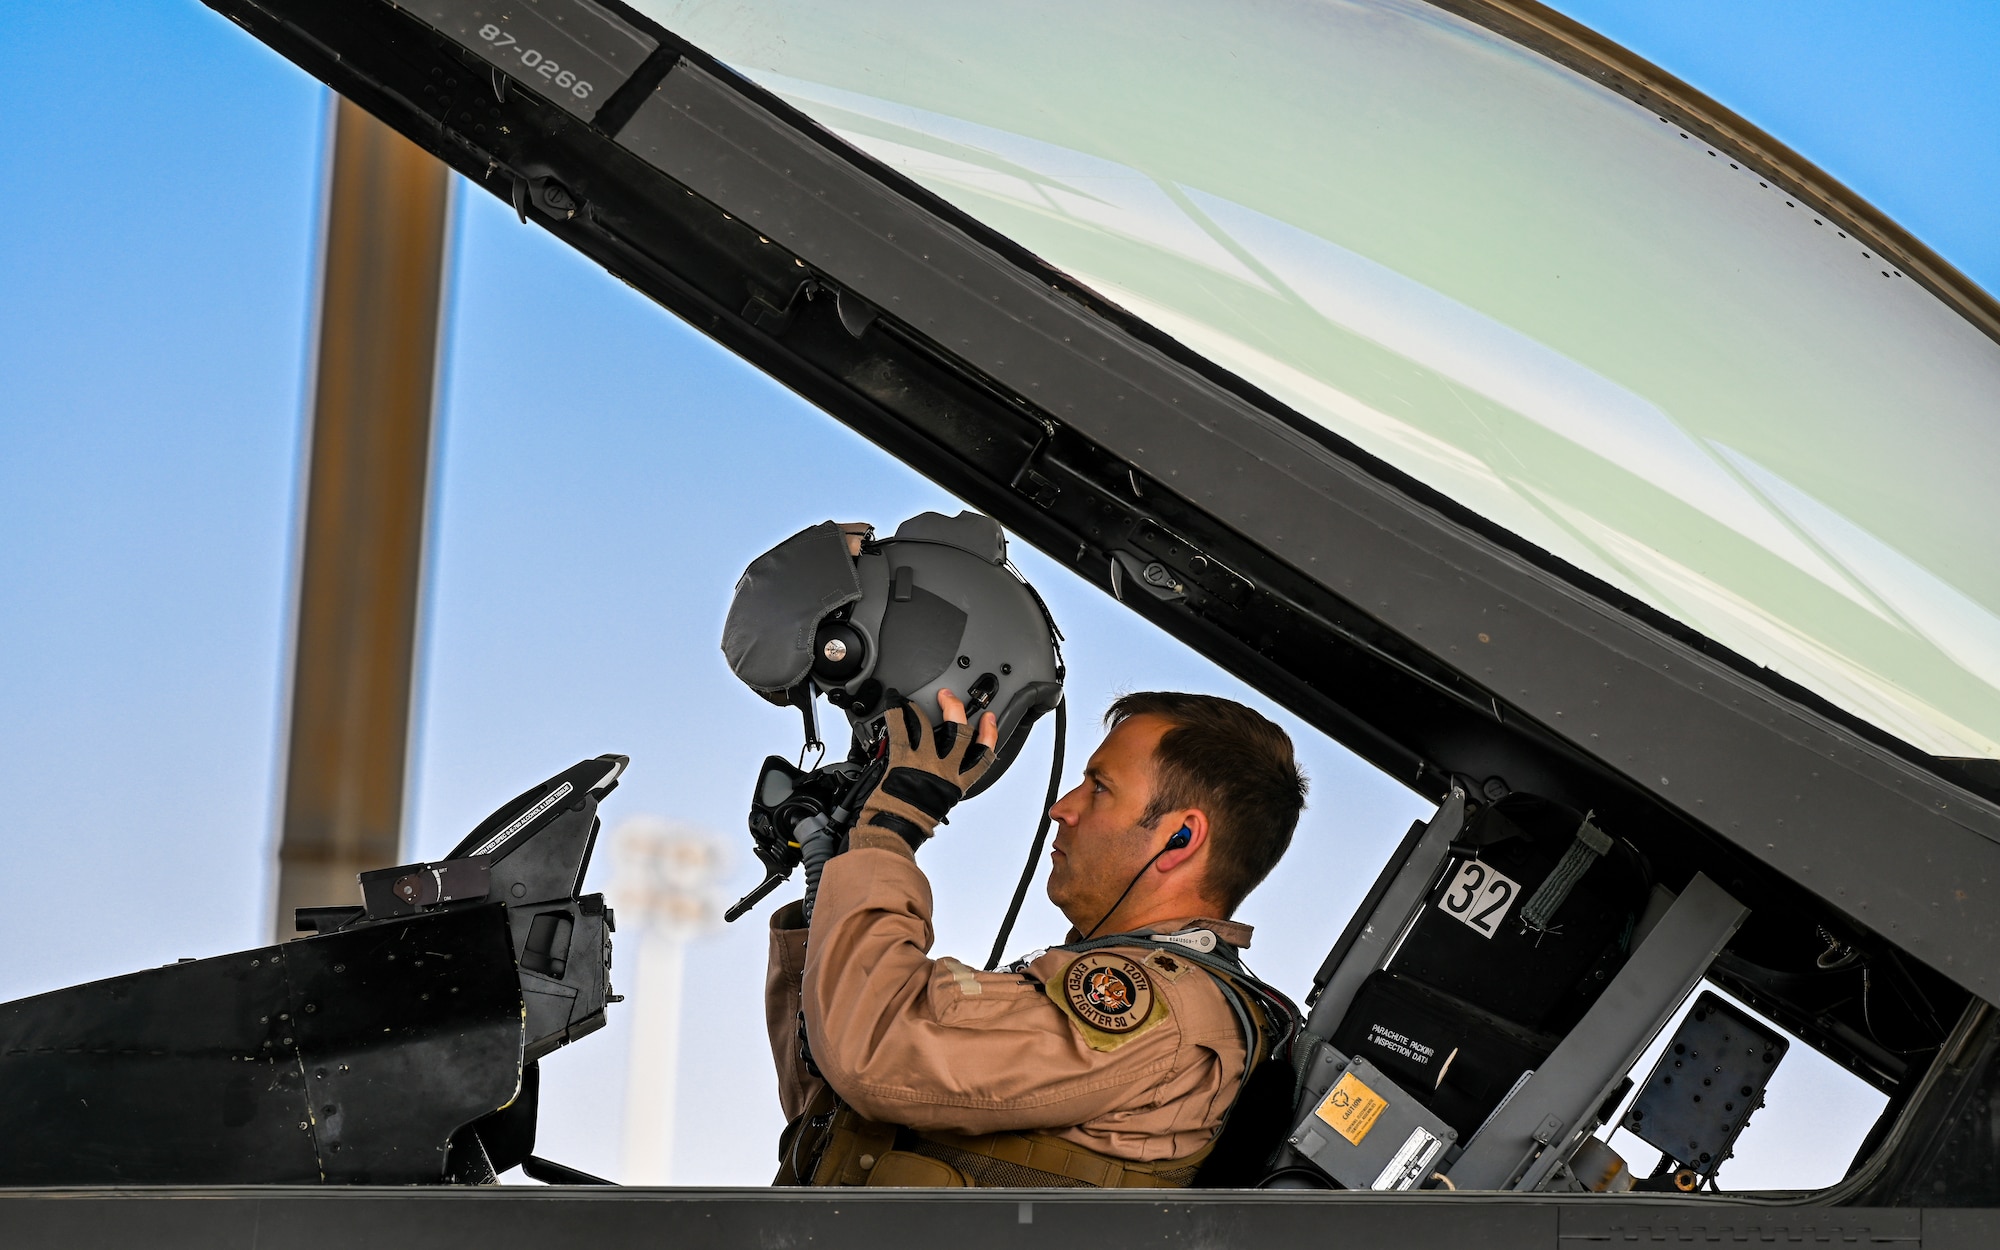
x=819, y=836
x=817, y=843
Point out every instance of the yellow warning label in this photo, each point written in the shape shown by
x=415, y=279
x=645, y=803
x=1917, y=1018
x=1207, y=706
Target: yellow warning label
x=1351, y=1108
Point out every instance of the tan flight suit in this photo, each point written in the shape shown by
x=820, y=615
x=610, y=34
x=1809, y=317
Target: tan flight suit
x=940, y=1048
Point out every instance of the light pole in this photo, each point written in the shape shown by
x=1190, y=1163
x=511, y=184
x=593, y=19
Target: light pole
x=665, y=889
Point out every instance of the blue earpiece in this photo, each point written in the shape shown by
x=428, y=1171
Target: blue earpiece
x=1180, y=839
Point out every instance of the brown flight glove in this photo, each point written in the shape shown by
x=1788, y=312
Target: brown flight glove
x=929, y=771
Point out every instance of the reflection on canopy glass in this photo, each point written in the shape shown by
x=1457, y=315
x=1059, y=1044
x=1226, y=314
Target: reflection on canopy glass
x=1513, y=284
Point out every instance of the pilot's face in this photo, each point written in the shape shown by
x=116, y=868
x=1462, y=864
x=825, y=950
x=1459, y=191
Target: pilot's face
x=1100, y=845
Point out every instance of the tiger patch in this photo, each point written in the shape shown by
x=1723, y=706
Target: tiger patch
x=1110, y=997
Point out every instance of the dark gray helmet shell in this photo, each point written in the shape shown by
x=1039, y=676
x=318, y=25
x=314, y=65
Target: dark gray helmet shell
x=933, y=607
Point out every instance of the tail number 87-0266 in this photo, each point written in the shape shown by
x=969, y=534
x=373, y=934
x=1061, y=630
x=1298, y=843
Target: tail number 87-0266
x=1479, y=897
x=535, y=62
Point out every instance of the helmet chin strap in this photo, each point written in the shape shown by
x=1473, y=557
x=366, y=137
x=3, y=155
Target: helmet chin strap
x=1180, y=839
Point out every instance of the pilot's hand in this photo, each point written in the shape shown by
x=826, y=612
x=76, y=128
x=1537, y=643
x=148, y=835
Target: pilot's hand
x=929, y=769
x=856, y=533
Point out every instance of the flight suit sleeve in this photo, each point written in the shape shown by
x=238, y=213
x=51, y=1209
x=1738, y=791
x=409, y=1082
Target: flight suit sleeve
x=935, y=1045
x=796, y=1084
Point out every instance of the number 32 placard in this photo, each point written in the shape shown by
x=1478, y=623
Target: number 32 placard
x=1479, y=897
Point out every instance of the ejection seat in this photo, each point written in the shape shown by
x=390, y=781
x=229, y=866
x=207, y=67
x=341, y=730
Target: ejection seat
x=1473, y=1025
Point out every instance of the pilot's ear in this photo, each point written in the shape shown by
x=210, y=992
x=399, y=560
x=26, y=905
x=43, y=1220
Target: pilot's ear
x=1194, y=822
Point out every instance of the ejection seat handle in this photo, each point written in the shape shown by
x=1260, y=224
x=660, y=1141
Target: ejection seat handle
x=1372, y=935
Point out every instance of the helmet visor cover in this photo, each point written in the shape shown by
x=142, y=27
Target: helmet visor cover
x=779, y=602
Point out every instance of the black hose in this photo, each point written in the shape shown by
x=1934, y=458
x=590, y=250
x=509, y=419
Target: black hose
x=1041, y=838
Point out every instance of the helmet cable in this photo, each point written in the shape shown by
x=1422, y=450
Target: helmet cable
x=1175, y=843
x=1041, y=834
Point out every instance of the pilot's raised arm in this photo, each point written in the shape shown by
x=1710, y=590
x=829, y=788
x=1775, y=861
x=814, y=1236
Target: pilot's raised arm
x=1111, y=1060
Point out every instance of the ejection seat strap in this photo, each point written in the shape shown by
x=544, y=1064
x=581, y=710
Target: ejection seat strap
x=1590, y=845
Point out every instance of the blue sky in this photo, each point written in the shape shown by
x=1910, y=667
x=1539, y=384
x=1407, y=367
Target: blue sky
x=154, y=307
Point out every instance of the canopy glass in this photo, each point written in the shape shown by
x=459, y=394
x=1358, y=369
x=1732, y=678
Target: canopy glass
x=1509, y=282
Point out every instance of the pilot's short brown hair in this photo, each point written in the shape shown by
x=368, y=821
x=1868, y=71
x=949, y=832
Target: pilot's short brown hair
x=1233, y=764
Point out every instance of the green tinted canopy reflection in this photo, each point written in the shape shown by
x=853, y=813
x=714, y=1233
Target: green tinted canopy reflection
x=1509, y=282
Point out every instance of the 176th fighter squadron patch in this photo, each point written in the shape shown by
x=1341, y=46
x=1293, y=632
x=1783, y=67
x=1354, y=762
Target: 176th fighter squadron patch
x=1110, y=998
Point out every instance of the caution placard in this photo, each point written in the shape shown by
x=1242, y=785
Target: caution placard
x=1351, y=1108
